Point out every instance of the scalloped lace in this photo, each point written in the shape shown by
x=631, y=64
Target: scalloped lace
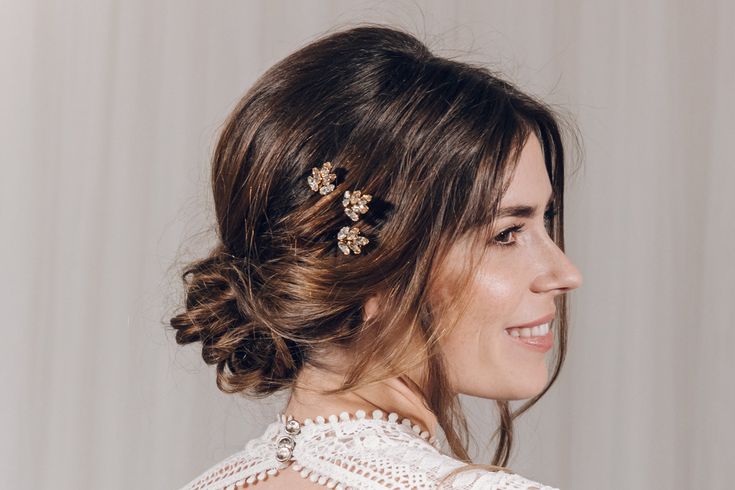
x=352, y=452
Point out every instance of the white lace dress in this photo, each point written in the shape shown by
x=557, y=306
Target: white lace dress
x=352, y=452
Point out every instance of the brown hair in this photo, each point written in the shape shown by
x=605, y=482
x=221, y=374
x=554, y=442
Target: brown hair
x=434, y=140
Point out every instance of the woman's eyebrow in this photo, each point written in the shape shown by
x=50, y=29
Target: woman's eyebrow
x=522, y=211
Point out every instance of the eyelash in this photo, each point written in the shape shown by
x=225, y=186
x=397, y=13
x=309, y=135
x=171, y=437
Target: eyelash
x=548, y=219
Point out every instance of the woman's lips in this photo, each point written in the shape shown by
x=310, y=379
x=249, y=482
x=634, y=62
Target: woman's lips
x=544, y=319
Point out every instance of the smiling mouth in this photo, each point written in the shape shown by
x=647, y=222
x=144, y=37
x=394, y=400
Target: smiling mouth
x=539, y=338
x=528, y=332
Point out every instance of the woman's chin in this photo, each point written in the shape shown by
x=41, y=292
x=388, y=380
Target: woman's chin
x=525, y=388
x=531, y=387
x=517, y=390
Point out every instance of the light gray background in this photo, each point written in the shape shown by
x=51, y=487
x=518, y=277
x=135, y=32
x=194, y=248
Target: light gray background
x=109, y=112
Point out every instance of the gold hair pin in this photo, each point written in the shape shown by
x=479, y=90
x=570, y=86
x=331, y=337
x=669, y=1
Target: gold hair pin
x=354, y=203
x=349, y=238
x=321, y=178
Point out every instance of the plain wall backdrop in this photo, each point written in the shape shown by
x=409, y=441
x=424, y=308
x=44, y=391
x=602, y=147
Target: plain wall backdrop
x=109, y=113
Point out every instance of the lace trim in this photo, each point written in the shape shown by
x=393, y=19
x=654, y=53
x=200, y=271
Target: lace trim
x=315, y=477
x=342, y=435
x=320, y=421
x=259, y=459
x=360, y=414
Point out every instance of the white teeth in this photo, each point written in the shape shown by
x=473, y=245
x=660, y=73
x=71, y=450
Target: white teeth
x=537, y=331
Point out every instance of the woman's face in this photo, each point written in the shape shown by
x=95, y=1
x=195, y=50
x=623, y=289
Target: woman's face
x=515, y=284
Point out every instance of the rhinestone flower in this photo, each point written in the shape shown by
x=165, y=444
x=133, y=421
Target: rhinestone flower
x=355, y=202
x=348, y=239
x=321, y=178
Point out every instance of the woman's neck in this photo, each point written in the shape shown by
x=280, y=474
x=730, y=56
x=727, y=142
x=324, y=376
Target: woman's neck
x=400, y=395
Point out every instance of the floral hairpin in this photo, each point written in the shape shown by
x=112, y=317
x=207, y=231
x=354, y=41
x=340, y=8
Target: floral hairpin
x=321, y=178
x=349, y=238
x=354, y=203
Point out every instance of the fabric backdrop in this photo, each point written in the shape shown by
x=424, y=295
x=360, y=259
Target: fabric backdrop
x=109, y=113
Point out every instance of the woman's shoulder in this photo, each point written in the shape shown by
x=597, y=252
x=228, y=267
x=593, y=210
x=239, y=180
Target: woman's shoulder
x=436, y=466
x=478, y=478
x=248, y=465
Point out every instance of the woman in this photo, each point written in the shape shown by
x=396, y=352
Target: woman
x=388, y=221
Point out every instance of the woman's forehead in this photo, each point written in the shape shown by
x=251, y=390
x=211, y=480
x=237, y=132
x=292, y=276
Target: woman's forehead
x=530, y=182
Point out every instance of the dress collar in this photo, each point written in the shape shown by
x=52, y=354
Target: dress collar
x=291, y=427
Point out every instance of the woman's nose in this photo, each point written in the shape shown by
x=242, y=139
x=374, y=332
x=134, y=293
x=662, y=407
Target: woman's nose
x=559, y=271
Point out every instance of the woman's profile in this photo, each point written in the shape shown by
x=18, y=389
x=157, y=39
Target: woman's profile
x=390, y=235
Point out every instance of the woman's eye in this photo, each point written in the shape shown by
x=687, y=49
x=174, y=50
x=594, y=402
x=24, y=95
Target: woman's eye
x=501, y=238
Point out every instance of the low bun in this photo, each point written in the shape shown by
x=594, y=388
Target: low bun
x=221, y=312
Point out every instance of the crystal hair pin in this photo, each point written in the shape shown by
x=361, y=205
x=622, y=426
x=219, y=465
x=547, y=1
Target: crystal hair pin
x=349, y=238
x=321, y=178
x=354, y=203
